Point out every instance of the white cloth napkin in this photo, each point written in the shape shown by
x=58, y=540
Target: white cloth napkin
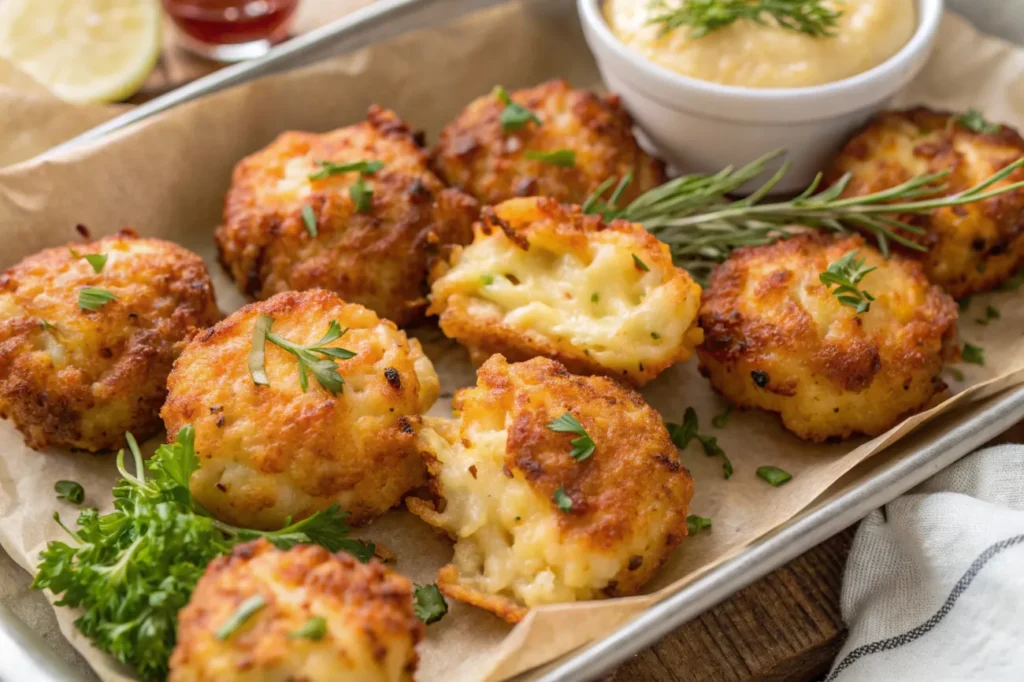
x=934, y=586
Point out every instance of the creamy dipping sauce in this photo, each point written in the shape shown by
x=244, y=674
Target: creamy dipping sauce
x=749, y=54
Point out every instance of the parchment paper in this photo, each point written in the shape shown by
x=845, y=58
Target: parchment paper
x=167, y=177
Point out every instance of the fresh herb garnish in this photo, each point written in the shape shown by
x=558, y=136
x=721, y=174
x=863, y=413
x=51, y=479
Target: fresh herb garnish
x=243, y=613
x=562, y=501
x=329, y=168
x=655, y=335
x=973, y=354
x=582, y=447
x=563, y=158
x=1014, y=282
x=695, y=524
x=71, y=491
x=323, y=368
x=719, y=420
x=429, y=604
x=594, y=298
x=362, y=195
x=963, y=304
x=990, y=314
x=704, y=16
x=682, y=434
x=846, y=273
x=513, y=116
x=96, y=260
x=49, y=327
x=773, y=476
x=973, y=120
x=639, y=263
x=487, y=280
x=695, y=216
x=132, y=570
x=309, y=218
x=955, y=373
x=608, y=210
x=91, y=298
x=313, y=629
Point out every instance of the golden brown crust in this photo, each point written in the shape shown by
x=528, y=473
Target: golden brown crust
x=775, y=338
x=377, y=258
x=544, y=279
x=475, y=154
x=91, y=375
x=270, y=452
x=971, y=248
x=371, y=629
x=629, y=498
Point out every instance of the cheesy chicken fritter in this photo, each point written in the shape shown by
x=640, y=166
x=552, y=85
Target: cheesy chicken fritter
x=492, y=161
x=272, y=452
x=971, y=248
x=319, y=617
x=532, y=523
x=542, y=278
x=368, y=233
x=776, y=338
x=88, y=333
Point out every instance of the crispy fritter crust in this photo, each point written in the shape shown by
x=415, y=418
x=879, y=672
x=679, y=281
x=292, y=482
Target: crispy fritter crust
x=475, y=154
x=268, y=453
x=85, y=377
x=971, y=248
x=498, y=466
x=542, y=278
x=775, y=338
x=371, y=629
x=378, y=258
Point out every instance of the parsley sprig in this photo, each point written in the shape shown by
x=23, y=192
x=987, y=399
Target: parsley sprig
x=583, y=446
x=513, y=116
x=704, y=16
x=131, y=570
x=316, y=358
x=973, y=120
x=428, y=603
x=845, y=274
x=689, y=430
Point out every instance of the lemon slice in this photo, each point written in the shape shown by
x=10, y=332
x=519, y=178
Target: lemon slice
x=82, y=50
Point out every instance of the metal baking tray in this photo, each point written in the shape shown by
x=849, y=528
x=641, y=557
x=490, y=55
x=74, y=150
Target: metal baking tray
x=24, y=657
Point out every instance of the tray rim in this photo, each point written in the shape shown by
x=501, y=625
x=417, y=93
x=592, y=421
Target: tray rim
x=385, y=19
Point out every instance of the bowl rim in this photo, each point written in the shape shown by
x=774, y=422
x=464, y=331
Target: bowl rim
x=929, y=17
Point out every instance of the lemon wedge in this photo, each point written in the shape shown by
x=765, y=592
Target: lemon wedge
x=82, y=50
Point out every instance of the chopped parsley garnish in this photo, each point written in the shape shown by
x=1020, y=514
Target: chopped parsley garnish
x=955, y=373
x=594, y=298
x=323, y=368
x=964, y=303
x=639, y=263
x=563, y=158
x=563, y=501
x=362, y=195
x=973, y=354
x=329, y=168
x=773, y=476
x=682, y=434
x=91, y=298
x=96, y=260
x=1014, y=282
x=309, y=218
x=72, y=491
x=513, y=116
x=655, y=335
x=695, y=524
x=719, y=420
x=243, y=613
x=975, y=122
x=429, y=604
x=846, y=273
x=487, y=280
x=990, y=314
x=582, y=447
x=313, y=629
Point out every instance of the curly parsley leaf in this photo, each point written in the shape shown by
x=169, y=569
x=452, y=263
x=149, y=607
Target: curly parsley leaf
x=429, y=604
x=582, y=447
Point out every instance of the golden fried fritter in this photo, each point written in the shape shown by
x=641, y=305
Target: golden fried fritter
x=542, y=278
x=378, y=256
x=270, y=452
x=532, y=524
x=475, y=154
x=776, y=338
x=80, y=378
x=361, y=616
x=971, y=248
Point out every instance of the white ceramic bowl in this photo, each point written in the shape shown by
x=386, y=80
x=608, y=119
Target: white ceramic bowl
x=701, y=126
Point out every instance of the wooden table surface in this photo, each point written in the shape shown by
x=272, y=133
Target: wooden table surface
x=786, y=626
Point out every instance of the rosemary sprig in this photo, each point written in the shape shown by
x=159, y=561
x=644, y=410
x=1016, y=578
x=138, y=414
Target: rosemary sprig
x=695, y=217
x=704, y=16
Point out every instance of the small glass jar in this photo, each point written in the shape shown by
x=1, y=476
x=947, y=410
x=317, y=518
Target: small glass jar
x=231, y=30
